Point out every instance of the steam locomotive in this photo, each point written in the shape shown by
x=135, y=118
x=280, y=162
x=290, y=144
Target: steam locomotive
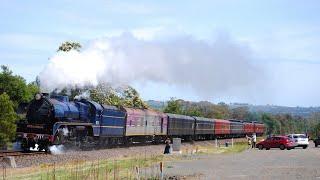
x=53, y=120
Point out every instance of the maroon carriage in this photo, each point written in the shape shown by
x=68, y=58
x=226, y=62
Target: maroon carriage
x=259, y=128
x=145, y=125
x=248, y=128
x=221, y=128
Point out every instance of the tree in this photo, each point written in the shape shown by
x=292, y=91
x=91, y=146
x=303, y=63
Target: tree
x=15, y=87
x=240, y=113
x=105, y=94
x=273, y=126
x=173, y=106
x=221, y=111
x=69, y=45
x=131, y=98
x=121, y=96
x=7, y=120
x=192, y=111
x=312, y=124
x=33, y=88
x=317, y=130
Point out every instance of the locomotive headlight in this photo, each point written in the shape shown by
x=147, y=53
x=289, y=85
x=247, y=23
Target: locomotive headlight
x=37, y=96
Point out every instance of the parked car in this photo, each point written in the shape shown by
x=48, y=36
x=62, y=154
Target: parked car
x=282, y=142
x=301, y=140
x=316, y=141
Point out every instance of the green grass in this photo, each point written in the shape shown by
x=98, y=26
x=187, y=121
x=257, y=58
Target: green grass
x=237, y=147
x=105, y=169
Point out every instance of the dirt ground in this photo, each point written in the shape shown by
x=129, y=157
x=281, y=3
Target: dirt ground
x=252, y=164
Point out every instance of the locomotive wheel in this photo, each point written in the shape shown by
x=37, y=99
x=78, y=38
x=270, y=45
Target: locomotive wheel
x=59, y=138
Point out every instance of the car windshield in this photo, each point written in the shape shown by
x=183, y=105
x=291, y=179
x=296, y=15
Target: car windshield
x=302, y=136
x=299, y=136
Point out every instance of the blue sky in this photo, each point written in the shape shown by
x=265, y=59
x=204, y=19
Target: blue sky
x=283, y=36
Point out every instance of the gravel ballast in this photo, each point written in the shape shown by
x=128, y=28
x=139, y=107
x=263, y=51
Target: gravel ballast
x=105, y=154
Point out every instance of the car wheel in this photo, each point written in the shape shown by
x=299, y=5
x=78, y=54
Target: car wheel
x=305, y=147
x=260, y=146
x=267, y=148
x=282, y=147
x=316, y=145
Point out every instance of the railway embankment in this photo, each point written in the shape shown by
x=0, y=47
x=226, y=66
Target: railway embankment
x=121, y=162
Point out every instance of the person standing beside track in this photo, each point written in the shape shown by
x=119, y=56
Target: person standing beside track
x=254, y=140
x=249, y=141
x=167, y=148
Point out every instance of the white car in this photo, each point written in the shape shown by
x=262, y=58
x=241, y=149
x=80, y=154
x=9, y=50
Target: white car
x=301, y=140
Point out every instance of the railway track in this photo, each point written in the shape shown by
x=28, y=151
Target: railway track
x=19, y=153
x=6, y=153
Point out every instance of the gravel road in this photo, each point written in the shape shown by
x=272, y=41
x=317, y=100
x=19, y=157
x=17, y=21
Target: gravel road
x=252, y=164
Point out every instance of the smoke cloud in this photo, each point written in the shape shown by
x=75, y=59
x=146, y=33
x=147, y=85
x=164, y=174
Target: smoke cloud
x=206, y=67
x=57, y=149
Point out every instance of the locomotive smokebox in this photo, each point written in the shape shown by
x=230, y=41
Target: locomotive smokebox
x=39, y=110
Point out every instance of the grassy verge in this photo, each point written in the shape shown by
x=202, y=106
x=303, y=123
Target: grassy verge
x=104, y=169
x=237, y=147
x=122, y=168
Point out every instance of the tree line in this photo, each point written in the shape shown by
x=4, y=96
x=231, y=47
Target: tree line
x=275, y=124
x=14, y=90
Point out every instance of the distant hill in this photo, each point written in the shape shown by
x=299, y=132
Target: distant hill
x=159, y=105
x=273, y=109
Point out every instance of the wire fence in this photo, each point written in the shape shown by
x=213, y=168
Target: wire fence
x=135, y=168
x=141, y=167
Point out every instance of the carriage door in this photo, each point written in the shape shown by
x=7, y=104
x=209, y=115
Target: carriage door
x=161, y=125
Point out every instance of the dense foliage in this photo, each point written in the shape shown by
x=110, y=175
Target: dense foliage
x=69, y=45
x=16, y=87
x=14, y=91
x=7, y=120
x=121, y=96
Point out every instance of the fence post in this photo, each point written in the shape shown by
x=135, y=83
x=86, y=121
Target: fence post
x=54, y=171
x=98, y=170
x=4, y=172
x=138, y=173
x=232, y=142
x=107, y=174
x=114, y=169
x=216, y=142
x=161, y=170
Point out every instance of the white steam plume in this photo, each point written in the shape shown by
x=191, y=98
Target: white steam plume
x=57, y=149
x=183, y=61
